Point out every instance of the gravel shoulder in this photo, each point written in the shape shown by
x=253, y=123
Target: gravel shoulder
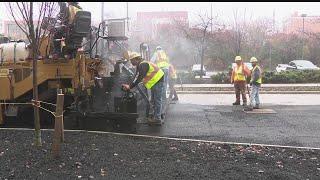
x=88, y=155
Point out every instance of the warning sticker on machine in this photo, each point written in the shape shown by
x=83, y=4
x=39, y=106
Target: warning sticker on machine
x=4, y=72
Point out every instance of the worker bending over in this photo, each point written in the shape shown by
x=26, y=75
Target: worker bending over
x=152, y=77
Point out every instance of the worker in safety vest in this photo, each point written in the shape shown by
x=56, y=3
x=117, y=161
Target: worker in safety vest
x=255, y=83
x=172, y=82
x=73, y=8
x=66, y=16
x=152, y=77
x=162, y=60
x=238, y=78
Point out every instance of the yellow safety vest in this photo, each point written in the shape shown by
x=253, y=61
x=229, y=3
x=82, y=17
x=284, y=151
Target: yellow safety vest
x=260, y=77
x=239, y=74
x=69, y=90
x=72, y=13
x=162, y=59
x=154, y=74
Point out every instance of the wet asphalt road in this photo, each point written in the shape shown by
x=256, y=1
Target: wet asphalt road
x=210, y=117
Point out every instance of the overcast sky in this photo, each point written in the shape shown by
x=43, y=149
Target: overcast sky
x=224, y=10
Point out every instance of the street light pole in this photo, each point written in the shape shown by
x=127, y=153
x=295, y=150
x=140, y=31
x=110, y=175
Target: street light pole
x=303, y=16
x=269, y=39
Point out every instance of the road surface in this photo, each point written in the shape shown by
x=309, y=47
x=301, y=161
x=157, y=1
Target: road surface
x=211, y=117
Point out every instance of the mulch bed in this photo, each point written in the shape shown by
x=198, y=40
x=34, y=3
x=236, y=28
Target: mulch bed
x=105, y=156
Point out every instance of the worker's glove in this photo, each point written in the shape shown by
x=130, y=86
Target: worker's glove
x=125, y=87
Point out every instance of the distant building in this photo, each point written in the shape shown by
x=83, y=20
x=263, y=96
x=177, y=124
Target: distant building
x=12, y=30
x=294, y=24
x=149, y=23
x=1, y=27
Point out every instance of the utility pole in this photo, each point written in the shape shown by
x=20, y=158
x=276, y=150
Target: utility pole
x=270, y=55
x=103, y=29
x=128, y=16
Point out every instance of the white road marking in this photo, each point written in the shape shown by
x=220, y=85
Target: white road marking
x=176, y=139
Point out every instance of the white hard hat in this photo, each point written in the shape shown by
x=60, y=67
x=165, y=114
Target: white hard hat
x=158, y=48
x=238, y=58
x=253, y=59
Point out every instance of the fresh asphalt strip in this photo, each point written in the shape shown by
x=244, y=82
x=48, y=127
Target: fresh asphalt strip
x=175, y=139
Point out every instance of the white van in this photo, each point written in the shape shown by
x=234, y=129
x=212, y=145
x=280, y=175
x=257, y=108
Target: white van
x=196, y=69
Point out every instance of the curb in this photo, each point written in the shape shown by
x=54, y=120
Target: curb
x=261, y=92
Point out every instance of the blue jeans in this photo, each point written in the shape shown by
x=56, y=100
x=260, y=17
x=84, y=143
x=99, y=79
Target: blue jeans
x=156, y=93
x=254, y=95
x=164, y=91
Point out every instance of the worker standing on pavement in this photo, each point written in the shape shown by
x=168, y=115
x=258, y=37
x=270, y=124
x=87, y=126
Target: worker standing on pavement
x=172, y=82
x=152, y=77
x=255, y=83
x=162, y=60
x=238, y=78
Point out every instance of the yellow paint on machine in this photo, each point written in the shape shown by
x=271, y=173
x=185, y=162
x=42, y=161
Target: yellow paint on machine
x=21, y=82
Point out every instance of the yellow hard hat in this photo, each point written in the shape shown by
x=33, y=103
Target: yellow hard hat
x=238, y=58
x=131, y=55
x=253, y=59
x=134, y=55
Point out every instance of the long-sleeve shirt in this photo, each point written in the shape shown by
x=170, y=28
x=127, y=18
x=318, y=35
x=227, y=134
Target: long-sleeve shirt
x=142, y=70
x=255, y=76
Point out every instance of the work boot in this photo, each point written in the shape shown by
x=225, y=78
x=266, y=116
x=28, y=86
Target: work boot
x=236, y=103
x=256, y=107
x=244, y=104
x=175, y=99
x=248, y=108
x=163, y=116
x=154, y=121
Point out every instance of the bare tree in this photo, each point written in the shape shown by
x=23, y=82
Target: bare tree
x=30, y=17
x=198, y=35
x=239, y=31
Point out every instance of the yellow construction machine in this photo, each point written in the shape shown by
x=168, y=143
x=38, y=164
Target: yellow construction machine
x=75, y=72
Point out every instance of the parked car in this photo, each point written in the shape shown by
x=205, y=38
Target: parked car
x=196, y=69
x=284, y=67
x=303, y=65
x=4, y=39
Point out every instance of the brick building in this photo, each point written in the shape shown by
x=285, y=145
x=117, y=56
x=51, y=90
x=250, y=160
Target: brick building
x=149, y=23
x=294, y=24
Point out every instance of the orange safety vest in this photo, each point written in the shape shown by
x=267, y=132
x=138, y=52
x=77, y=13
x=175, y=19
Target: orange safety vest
x=154, y=74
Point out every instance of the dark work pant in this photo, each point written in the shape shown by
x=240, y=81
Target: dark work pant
x=240, y=87
x=172, y=89
x=156, y=94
